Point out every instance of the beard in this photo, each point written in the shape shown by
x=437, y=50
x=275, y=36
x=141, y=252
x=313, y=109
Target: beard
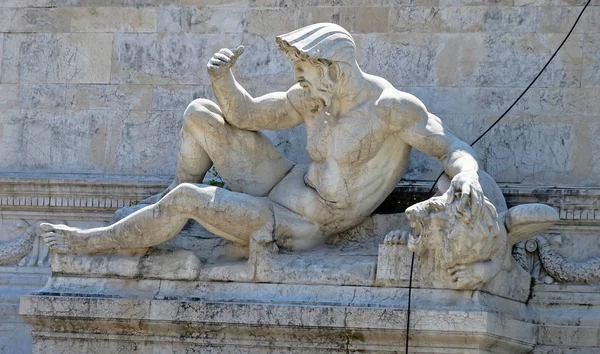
x=313, y=98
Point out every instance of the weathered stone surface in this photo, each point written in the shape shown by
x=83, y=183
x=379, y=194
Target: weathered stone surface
x=114, y=19
x=306, y=318
x=62, y=58
x=177, y=97
x=158, y=59
x=34, y=96
x=110, y=97
x=269, y=21
x=9, y=72
x=140, y=136
x=354, y=19
x=591, y=64
x=214, y=20
x=9, y=96
x=35, y=20
x=89, y=141
x=494, y=53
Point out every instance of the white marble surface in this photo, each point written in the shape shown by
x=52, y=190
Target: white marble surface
x=254, y=317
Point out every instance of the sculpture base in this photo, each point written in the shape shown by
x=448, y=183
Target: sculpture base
x=110, y=315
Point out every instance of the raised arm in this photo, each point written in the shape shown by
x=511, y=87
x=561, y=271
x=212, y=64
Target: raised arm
x=409, y=118
x=272, y=111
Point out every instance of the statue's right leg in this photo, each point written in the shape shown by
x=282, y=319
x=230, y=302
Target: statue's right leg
x=246, y=160
x=233, y=216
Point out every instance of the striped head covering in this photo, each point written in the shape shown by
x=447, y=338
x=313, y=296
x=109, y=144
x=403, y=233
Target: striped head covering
x=320, y=41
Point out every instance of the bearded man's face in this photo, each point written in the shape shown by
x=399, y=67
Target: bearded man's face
x=316, y=82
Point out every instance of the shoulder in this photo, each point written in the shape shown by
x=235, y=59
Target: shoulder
x=400, y=108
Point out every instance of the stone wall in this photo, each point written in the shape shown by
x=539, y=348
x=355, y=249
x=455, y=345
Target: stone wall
x=99, y=86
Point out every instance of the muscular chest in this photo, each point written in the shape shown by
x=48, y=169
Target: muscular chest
x=351, y=138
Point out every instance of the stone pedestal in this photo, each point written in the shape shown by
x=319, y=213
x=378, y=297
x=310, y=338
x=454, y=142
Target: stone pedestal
x=109, y=315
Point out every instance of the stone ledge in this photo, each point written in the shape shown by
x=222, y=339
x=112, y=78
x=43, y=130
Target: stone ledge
x=28, y=192
x=251, y=317
x=91, y=192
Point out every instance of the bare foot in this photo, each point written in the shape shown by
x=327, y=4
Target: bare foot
x=63, y=238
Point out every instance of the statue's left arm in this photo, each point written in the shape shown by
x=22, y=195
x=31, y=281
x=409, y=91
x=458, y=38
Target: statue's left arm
x=409, y=118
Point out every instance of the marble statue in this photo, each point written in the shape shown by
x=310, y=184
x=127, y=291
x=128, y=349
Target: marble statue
x=360, y=132
x=459, y=252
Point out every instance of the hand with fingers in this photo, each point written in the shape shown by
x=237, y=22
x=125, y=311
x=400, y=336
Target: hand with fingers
x=465, y=186
x=222, y=61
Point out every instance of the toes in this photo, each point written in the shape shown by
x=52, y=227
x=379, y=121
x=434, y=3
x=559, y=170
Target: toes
x=49, y=236
x=45, y=227
x=456, y=268
x=392, y=237
x=404, y=237
x=458, y=275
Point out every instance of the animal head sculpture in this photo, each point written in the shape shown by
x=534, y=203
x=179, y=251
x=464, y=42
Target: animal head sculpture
x=459, y=252
x=451, y=235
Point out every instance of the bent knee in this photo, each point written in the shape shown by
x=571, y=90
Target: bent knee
x=186, y=193
x=202, y=113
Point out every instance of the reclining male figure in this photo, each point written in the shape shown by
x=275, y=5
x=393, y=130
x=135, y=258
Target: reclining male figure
x=360, y=131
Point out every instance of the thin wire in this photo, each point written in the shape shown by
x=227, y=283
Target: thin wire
x=412, y=261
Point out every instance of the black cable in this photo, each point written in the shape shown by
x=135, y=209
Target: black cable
x=412, y=261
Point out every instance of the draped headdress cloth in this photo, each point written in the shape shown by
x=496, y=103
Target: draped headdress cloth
x=320, y=41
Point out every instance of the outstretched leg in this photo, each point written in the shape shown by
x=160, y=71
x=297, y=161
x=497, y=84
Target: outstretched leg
x=233, y=216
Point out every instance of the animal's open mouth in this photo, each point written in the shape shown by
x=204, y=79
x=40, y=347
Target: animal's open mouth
x=416, y=231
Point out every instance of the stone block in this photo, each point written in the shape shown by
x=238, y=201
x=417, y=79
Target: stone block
x=274, y=317
x=165, y=58
x=170, y=19
x=146, y=264
x=9, y=71
x=177, y=97
x=113, y=97
x=38, y=96
x=271, y=21
x=213, y=20
x=393, y=266
x=512, y=19
x=9, y=96
x=146, y=144
x=29, y=3
x=536, y=153
x=476, y=2
x=569, y=336
x=125, y=3
x=554, y=2
x=41, y=20
x=114, y=19
x=304, y=270
x=353, y=18
x=59, y=140
x=362, y=3
x=393, y=56
x=591, y=63
x=492, y=66
x=64, y=58
x=437, y=19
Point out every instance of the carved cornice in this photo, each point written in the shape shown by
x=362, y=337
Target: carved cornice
x=573, y=203
x=92, y=193
x=73, y=193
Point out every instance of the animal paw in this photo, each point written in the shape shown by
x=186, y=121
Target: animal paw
x=397, y=237
x=471, y=276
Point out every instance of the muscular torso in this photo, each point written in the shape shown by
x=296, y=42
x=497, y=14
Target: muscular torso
x=356, y=162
